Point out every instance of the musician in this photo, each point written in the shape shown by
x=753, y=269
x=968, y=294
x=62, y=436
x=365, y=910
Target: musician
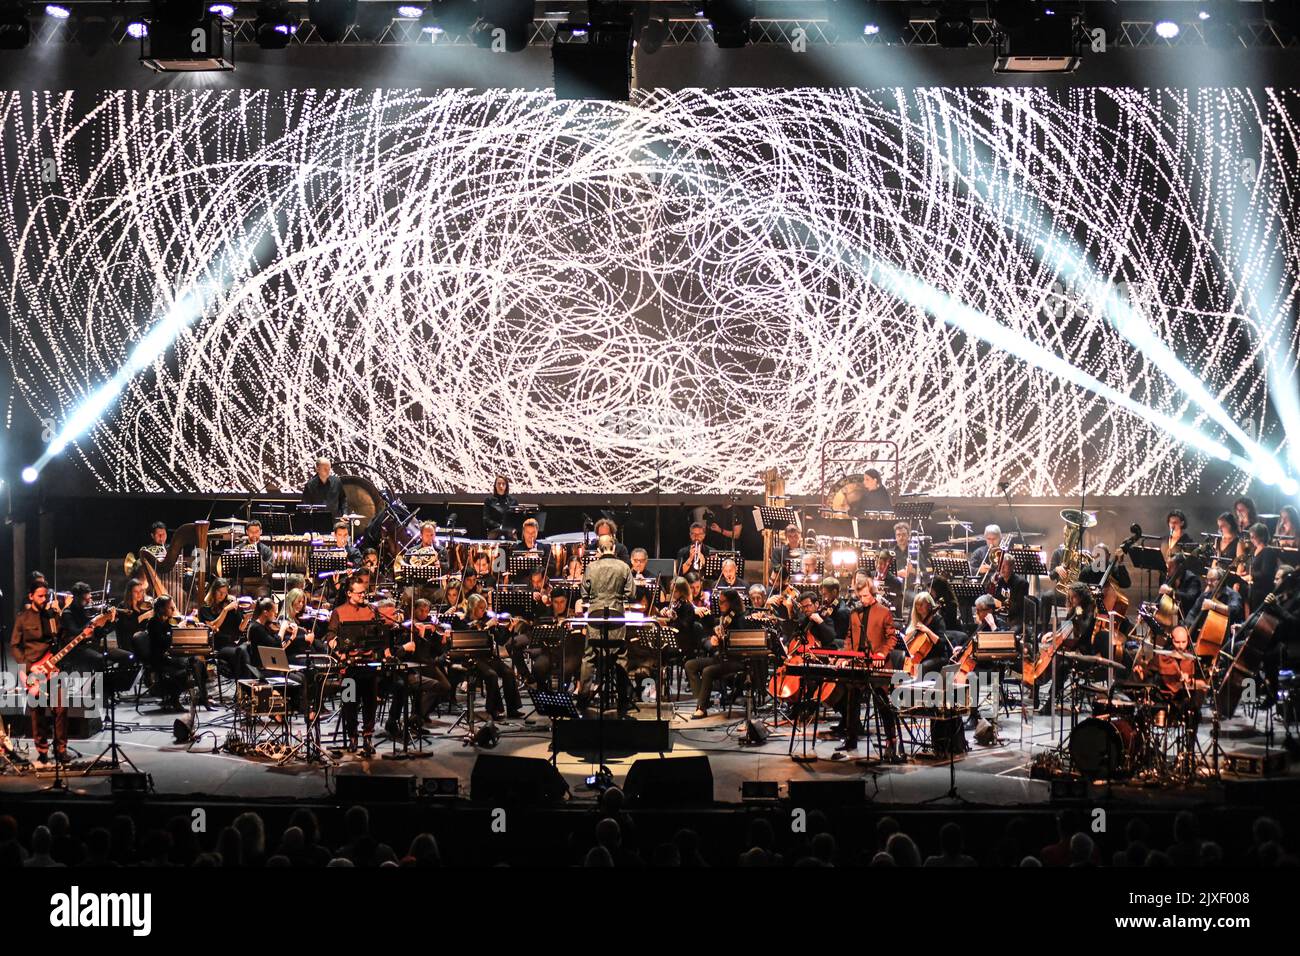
x=303, y=640
x=343, y=542
x=607, y=585
x=925, y=618
x=222, y=615
x=1180, y=583
x=979, y=559
x=679, y=614
x=1287, y=531
x=1080, y=612
x=157, y=540
x=132, y=614
x=1246, y=514
x=723, y=536
x=425, y=647
x=607, y=526
x=1229, y=548
x=1176, y=676
x=702, y=672
x=809, y=570
x=499, y=517
x=483, y=578
x=814, y=622
x=876, y=497
x=909, y=554
x=889, y=586
x=871, y=631
x=453, y=596
x=691, y=558
x=1178, y=538
x=370, y=562
x=640, y=561
x=729, y=576
x=528, y=545
x=364, y=680
x=171, y=673
x=985, y=612
x=1010, y=590
x=261, y=629
x=36, y=633
x=570, y=650
x=1214, y=591
x=253, y=536
x=783, y=553
x=834, y=609
x=86, y=657
x=1264, y=561
x=497, y=676
x=325, y=488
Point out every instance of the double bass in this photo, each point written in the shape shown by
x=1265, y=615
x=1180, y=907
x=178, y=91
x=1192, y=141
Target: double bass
x=785, y=687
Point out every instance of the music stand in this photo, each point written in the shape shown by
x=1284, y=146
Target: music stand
x=513, y=599
x=241, y=563
x=469, y=647
x=309, y=518
x=554, y=705
x=324, y=561
x=713, y=563
x=525, y=561
x=775, y=519
x=913, y=509
x=274, y=520
x=951, y=568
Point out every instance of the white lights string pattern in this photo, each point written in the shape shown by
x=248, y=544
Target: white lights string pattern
x=447, y=284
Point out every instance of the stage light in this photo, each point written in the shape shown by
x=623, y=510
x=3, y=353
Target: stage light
x=15, y=28
x=226, y=10
x=1033, y=40
x=57, y=12
x=1167, y=29
x=405, y=12
x=136, y=30
x=332, y=18
x=30, y=474
x=275, y=25
x=182, y=37
x=729, y=21
x=952, y=24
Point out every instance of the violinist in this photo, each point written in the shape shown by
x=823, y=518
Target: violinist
x=35, y=634
x=543, y=663
x=132, y=615
x=679, y=614
x=494, y=672
x=713, y=665
x=452, y=601
x=301, y=639
x=262, y=631
x=540, y=586
x=364, y=680
x=424, y=646
x=889, y=586
x=87, y=656
x=928, y=646
x=834, y=609
x=172, y=674
x=484, y=579
x=227, y=621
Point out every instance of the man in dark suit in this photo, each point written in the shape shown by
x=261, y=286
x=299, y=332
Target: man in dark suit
x=325, y=488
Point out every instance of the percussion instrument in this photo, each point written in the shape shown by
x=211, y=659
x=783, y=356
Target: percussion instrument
x=1104, y=748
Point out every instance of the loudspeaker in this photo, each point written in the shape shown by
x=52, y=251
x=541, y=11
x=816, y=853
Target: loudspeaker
x=621, y=737
x=363, y=788
x=827, y=793
x=670, y=782
x=499, y=780
x=986, y=733
x=947, y=736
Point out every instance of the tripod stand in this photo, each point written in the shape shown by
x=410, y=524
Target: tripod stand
x=114, y=753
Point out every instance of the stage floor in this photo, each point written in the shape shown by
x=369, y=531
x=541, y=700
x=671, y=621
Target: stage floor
x=996, y=776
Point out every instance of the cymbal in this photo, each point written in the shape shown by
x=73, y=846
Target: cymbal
x=972, y=539
x=352, y=516
x=232, y=520
x=1081, y=519
x=954, y=523
x=219, y=532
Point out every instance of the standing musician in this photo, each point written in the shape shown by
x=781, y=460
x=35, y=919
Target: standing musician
x=1178, y=538
x=1263, y=567
x=365, y=680
x=1180, y=583
x=871, y=631
x=1246, y=514
x=877, y=496
x=690, y=559
x=724, y=536
x=499, y=510
x=496, y=674
x=1287, y=532
x=36, y=633
x=926, y=622
x=979, y=559
x=227, y=621
x=713, y=665
x=607, y=585
x=325, y=488
x=1230, y=546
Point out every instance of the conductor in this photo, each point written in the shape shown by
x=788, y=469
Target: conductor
x=607, y=585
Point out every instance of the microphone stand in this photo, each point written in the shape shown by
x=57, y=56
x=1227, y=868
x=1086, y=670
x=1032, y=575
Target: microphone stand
x=1012, y=508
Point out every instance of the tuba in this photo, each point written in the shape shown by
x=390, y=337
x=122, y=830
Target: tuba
x=1073, y=555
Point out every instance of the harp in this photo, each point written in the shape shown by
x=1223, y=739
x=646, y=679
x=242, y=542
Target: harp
x=173, y=574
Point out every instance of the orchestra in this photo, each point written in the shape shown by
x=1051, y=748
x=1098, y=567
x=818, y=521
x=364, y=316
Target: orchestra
x=379, y=615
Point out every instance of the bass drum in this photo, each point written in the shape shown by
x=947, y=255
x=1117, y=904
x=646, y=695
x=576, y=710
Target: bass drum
x=1103, y=748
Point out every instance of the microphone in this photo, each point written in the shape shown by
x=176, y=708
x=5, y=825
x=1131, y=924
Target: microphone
x=1003, y=485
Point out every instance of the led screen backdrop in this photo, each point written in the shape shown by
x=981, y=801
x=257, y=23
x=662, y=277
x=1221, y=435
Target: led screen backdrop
x=445, y=284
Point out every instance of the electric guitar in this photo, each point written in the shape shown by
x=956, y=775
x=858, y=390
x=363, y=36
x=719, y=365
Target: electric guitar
x=39, y=673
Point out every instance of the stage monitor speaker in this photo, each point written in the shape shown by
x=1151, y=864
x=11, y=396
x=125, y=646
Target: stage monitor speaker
x=383, y=788
x=827, y=793
x=670, y=782
x=501, y=780
x=621, y=737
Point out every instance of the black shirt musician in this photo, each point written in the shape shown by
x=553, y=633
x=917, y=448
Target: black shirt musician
x=1180, y=583
x=1010, y=589
x=876, y=497
x=325, y=488
x=499, y=516
x=691, y=559
x=1263, y=567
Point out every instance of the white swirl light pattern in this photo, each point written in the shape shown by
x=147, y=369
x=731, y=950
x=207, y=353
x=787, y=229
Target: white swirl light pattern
x=444, y=284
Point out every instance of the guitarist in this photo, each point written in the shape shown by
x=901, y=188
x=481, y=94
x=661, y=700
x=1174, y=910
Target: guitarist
x=36, y=633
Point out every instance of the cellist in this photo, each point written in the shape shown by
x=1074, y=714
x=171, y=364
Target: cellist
x=928, y=646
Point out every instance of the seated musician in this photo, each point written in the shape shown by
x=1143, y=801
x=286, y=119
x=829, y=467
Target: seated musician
x=816, y=623
x=1264, y=561
x=871, y=631
x=223, y=616
x=606, y=526
x=452, y=600
x=679, y=614
x=1180, y=583
x=889, y=586
x=1082, y=637
x=909, y=556
x=877, y=496
x=809, y=575
x=1175, y=676
x=639, y=560
x=1214, y=591
x=979, y=558
x=985, y=612
x=424, y=646
x=711, y=666
x=528, y=545
x=325, y=488
x=484, y=578
x=87, y=657
x=1092, y=572
x=835, y=609
x=729, y=577
x=253, y=540
x=424, y=555
x=36, y=633
x=370, y=563
x=302, y=641
x=784, y=552
x=343, y=542
x=172, y=674
x=926, y=622
x=363, y=680
x=1010, y=590
x=157, y=540
x=1247, y=515
x=132, y=616
x=569, y=649
x=499, y=518
x=701, y=600
x=496, y=675
x=262, y=630
x=691, y=558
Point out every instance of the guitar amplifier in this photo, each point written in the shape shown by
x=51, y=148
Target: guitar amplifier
x=191, y=642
